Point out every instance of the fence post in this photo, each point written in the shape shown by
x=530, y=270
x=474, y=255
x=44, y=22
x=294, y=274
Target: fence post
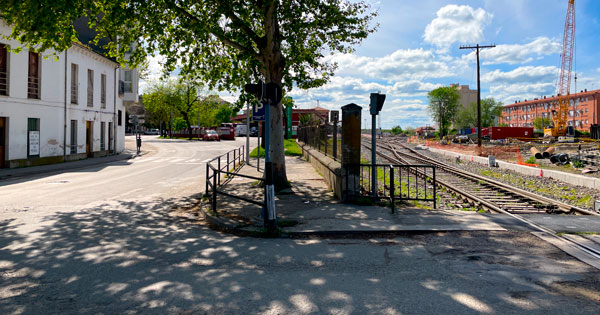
x=214, y=192
x=392, y=188
x=227, y=167
x=207, y=179
x=335, y=122
x=350, y=151
x=434, y=190
x=218, y=173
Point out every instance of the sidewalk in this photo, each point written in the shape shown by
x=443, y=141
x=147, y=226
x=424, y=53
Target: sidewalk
x=313, y=207
x=10, y=173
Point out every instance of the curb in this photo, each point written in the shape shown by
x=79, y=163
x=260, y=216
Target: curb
x=28, y=172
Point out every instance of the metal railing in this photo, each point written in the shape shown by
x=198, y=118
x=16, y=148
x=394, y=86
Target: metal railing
x=221, y=170
x=326, y=138
x=396, y=182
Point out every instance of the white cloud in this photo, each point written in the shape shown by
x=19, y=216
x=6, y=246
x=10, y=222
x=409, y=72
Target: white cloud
x=526, y=74
x=518, y=54
x=454, y=23
x=400, y=65
x=509, y=93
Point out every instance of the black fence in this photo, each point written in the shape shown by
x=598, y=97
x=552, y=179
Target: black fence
x=396, y=182
x=221, y=170
x=325, y=137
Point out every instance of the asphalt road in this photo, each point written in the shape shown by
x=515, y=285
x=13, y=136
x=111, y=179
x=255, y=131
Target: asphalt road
x=103, y=240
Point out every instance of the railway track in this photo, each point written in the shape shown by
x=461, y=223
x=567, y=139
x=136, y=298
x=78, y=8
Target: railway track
x=465, y=184
x=465, y=189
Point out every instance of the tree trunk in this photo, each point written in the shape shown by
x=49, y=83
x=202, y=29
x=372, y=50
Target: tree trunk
x=277, y=148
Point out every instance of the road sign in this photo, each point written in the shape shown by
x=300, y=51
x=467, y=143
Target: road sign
x=258, y=112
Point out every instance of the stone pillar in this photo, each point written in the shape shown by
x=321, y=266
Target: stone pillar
x=350, y=151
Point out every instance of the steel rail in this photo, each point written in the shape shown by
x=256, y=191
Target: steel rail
x=504, y=186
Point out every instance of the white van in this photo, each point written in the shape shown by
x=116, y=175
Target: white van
x=241, y=130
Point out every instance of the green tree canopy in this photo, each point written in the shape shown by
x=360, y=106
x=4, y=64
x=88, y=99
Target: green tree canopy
x=397, y=130
x=223, y=43
x=170, y=99
x=443, y=106
x=542, y=122
x=490, y=110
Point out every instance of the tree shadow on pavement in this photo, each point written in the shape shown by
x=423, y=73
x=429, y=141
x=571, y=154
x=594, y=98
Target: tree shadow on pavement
x=131, y=257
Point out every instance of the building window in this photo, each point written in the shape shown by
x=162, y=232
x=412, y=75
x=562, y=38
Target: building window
x=33, y=76
x=90, y=88
x=102, y=136
x=73, y=136
x=33, y=136
x=119, y=119
x=74, y=84
x=3, y=70
x=103, y=90
x=128, y=81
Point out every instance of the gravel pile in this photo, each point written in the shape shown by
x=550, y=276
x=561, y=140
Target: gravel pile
x=571, y=194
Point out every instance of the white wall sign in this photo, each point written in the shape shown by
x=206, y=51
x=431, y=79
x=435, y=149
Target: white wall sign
x=34, y=143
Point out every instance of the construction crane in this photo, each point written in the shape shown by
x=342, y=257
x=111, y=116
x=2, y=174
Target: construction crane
x=559, y=118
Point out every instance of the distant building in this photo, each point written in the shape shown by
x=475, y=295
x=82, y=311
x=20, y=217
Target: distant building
x=584, y=110
x=54, y=110
x=467, y=96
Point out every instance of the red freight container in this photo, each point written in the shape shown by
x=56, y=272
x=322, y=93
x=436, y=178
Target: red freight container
x=497, y=133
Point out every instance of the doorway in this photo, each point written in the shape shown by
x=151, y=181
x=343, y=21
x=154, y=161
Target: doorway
x=88, y=138
x=3, y=135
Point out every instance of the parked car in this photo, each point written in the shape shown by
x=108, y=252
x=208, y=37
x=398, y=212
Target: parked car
x=253, y=132
x=151, y=132
x=207, y=135
x=227, y=131
x=241, y=130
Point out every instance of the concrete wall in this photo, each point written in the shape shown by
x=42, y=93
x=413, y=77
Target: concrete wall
x=330, y=169
x=54, y=109
x=569, y=178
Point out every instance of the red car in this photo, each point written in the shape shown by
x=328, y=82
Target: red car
x=209, y=135
x=227, y=131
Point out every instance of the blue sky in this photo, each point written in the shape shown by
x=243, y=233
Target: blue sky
x=416, y=50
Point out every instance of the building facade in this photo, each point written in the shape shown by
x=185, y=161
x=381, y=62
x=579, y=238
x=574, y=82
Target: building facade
x=467, y=96
x=583, y=110
x=58, y=109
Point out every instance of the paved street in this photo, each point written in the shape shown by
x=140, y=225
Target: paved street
x=102, y=240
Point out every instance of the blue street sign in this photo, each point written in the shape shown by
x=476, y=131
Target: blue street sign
x=258, y=112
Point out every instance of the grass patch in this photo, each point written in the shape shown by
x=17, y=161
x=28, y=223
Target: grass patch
x=290, y=146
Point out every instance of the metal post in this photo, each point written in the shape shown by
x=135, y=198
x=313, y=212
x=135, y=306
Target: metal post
x=392, y=184
x=373, y=155
x=214, y=192
x=207, y=173
x=227, y=167
x=218, y=174
x=258, y=154
x=434, y=190
x=248, y=133
x=270, y=214
x=335, y=139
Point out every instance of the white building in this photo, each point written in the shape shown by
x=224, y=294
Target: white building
x=54, y=110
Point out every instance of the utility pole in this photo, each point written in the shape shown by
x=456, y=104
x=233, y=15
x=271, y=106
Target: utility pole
x=477, y=48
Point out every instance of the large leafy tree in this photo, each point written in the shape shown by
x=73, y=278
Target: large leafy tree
x=171, y=99
x=490, y=110
x=443, y=106
x=225, y=43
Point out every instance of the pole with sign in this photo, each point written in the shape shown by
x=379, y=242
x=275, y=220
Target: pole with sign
x=268, y=94
x=374, y=107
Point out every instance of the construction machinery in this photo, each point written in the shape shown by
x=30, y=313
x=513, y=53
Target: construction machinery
x=560, y=116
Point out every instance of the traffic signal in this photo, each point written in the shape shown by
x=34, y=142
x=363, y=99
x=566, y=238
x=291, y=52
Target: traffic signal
x=376, y=104
x=256, y=89
x=269, y=93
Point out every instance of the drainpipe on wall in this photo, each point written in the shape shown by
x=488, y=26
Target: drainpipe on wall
x=115, y=119
x=65, y=117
